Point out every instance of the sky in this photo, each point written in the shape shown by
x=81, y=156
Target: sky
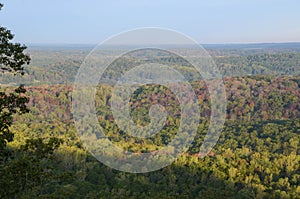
x=208, y=22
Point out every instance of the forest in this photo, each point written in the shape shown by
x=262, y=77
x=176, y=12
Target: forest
x=257, y=155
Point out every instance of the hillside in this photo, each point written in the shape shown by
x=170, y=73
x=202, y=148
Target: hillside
x=256, y=156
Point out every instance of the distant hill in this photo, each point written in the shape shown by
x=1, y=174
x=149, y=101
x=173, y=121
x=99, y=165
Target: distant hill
x=58, y=64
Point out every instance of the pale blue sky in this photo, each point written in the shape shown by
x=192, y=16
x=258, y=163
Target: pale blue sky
x=210, y=21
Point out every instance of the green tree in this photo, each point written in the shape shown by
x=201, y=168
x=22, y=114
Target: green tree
x=12, y=59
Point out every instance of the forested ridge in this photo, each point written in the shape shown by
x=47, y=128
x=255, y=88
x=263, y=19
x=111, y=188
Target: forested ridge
x=43, y=154
x=257, y=155
x=61, y=66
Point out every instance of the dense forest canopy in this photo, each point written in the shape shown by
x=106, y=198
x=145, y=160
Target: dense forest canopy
x=256, y=156
x=54, y=66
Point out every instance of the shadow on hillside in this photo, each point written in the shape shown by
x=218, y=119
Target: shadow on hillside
x=174, y=181
x=30, y=175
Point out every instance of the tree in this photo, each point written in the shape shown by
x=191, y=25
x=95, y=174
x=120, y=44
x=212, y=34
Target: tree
x=12, y=59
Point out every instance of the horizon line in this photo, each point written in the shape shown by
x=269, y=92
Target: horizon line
x=94, y=44
x=229, y=43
